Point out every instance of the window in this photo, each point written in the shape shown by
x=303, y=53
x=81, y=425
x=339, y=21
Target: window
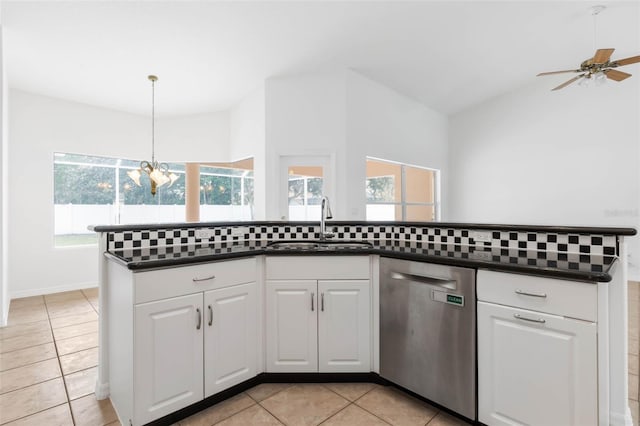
x=90, y=190
x=305, y=192
x=397, y=191
x=226, y=191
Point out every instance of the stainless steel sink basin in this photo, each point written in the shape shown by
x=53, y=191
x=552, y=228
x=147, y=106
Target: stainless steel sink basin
x=335, y=245
x=293, y=245
x=319, y=245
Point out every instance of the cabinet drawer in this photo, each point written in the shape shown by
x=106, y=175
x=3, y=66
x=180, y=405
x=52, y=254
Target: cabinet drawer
x=559, y=297
x=318, y=267
x=177, y=281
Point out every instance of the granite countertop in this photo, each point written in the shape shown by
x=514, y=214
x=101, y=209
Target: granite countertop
x=573, y=266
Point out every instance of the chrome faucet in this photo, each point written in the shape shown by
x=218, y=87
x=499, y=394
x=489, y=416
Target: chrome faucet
x=325, y=213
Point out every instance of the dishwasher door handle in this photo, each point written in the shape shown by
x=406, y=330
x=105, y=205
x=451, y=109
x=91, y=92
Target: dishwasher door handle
x=441, y=282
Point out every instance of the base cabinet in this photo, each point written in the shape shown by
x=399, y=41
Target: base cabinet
x=316, y=326
x=168, y=356
x=535, y=368
x=190, y=347
x=291, y=326
x=343, y=326
x=180, y=335
x=230, y=337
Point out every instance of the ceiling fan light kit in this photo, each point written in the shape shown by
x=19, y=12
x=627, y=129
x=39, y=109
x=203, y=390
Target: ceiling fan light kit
x=599, y=68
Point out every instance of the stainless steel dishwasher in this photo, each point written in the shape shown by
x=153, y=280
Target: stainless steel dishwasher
x=428, y=331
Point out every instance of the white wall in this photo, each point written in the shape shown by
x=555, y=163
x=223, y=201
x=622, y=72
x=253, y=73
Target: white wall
x=201, y=137
x=385, y=124
x=40, y=126
x=570, y=157
x=306, y=116
x=4, y=172
x=348, y=117
x=247, y=139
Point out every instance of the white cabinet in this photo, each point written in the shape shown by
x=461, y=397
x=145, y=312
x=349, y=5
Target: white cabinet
x=534, y=367
x=316, y=321
x=292, y=343
x=180, y=335
x=168, y=356
x=344, y=326
x=230, y=337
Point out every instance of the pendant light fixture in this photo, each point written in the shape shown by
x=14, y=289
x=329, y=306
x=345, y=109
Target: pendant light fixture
x=158, y=172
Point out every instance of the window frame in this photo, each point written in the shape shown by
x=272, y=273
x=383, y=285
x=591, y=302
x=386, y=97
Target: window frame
x=403, y=203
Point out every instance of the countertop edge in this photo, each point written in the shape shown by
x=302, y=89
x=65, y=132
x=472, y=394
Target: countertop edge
x=592, y=277
x=484, y=226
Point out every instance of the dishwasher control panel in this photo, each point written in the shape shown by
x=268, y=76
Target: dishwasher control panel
x=444, y=297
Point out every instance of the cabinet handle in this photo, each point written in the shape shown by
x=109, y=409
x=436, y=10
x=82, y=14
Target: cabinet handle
x=199, y=319
x=524, y=293
x=538, y=320
x=197, y=280
x=322, y=301
x=312, y=303
x=210, y=316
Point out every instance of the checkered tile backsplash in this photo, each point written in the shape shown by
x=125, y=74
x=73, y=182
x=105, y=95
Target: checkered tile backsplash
x=523, y=240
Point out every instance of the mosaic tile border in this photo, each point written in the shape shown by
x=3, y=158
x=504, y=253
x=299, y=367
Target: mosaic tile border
x=594, y=244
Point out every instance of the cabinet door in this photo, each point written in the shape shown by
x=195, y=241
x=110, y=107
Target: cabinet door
x=344, y=331
x=168, y=356
x=535, y=369
x=292, y=327
x=230, y=338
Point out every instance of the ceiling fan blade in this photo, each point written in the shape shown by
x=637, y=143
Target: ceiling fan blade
x=566, y=83
x=602, y=56
x=616, y=75
x=627, y=61
x=556, y=72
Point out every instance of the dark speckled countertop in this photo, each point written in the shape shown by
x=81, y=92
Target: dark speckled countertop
x=573, y=266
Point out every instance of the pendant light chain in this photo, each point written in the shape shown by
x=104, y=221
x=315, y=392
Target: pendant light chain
x=153, y=118
x=158, y=173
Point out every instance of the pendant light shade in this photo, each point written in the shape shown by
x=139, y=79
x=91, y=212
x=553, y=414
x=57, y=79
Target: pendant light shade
x=158, y=172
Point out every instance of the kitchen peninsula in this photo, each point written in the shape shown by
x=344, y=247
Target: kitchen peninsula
x=193, y=313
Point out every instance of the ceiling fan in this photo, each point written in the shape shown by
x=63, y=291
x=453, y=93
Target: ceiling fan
x=599, y=68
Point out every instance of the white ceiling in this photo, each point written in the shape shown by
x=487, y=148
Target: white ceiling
x=208, y=55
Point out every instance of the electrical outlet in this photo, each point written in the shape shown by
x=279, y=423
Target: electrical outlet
x=204, y=234
x=481, y=236
x=480, y=255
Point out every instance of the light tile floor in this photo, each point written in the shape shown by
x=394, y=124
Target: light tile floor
x=48, y=359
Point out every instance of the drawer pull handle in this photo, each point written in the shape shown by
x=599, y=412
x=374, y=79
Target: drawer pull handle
x=210, y=316
x=538, y=320
x=199, y=319
x=312, y=303
x=524, y=293
x=197, y=280
x=322, y=301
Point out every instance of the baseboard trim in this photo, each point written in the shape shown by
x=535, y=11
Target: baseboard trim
x=102, y=390
x=618, y=419
x=49, y=290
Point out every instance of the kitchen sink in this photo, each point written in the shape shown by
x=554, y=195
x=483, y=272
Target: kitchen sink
x=293, y=245
x=319, y=245
x=335, y=245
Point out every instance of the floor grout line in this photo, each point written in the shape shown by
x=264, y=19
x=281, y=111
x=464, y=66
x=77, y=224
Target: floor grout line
x=37, y=412
x=26, y=365
x=32, y=384
x=64, y=382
